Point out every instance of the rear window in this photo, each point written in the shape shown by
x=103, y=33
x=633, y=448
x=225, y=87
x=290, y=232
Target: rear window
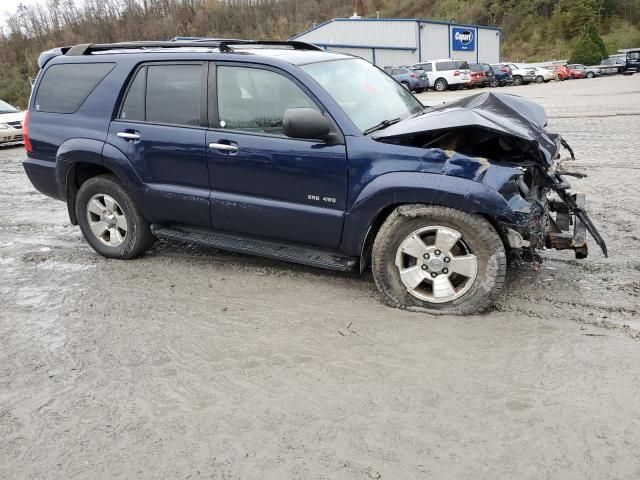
x=65, y=87
x=475, y=67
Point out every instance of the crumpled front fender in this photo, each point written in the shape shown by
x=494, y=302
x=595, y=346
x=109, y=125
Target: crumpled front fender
x=487, y=193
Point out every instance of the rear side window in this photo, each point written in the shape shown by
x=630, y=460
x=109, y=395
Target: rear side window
x=65, y=87
x=173, y=94
x=167, y=94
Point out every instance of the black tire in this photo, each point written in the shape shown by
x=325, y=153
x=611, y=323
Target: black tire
x=477, y=232
x=590, y=75
x=138, y=237
x=440, y=85
x=559, y=78
x=494, y=83
x=539, y=79
x=517, y=80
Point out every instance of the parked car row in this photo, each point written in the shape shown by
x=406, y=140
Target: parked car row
x=450, y=74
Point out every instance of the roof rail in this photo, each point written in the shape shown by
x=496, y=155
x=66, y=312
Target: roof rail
x=224, y=45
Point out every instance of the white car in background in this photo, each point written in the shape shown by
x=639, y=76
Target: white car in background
x=446, y=74
x=521, y=74
x=10, y=123
x=544, y=74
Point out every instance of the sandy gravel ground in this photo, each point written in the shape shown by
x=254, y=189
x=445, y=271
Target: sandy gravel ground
x=194, y=363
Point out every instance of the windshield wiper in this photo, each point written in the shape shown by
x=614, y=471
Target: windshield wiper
x=381, y=125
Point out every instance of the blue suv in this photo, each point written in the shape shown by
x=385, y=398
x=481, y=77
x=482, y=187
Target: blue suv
x=413, y=79
x=287, y=151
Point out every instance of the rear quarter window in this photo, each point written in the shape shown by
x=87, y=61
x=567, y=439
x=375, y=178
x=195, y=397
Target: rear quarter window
x=65, y=87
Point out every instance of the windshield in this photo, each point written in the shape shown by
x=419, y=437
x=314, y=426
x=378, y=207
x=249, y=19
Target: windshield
x=367, y=95
x=5, y=107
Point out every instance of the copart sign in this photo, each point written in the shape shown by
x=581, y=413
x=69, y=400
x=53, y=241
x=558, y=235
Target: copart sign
x=463, y=39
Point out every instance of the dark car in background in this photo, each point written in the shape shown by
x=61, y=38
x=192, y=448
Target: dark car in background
x=412, y=79
x=502, y=75
x=482, y=75
x=632, y=62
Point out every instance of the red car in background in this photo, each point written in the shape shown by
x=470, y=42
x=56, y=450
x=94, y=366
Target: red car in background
x=576, y=73
x=562, y=72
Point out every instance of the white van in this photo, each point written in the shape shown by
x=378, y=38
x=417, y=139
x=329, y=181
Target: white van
x=446, y=74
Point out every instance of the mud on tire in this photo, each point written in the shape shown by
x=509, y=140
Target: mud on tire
x=480, y=236
x=137, y=237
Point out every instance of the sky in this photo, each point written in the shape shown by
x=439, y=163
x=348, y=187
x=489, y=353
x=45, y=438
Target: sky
x=10, y=6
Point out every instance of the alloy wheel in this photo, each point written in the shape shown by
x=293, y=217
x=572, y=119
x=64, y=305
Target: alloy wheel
x=436, y=265
x=107, y=220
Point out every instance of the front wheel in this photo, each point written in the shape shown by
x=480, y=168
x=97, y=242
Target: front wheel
x=494, y=83
x=517, y=80
x=438, y=260
x=110, y=221
x=590, y=75
x=539, y=79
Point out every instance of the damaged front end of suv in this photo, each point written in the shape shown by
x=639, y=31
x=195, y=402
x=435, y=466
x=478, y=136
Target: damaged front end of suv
x=500, y=141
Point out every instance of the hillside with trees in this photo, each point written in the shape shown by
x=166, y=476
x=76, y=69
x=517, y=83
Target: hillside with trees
x=534, y=30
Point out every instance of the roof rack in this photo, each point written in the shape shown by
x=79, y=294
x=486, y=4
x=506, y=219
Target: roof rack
x=224, y=45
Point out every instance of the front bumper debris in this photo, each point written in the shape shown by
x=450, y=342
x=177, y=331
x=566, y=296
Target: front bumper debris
x=569, y=210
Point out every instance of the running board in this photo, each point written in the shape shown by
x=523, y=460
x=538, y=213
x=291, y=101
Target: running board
x=305, y=255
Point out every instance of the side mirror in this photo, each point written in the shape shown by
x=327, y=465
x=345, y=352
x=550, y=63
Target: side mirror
x=305, y=123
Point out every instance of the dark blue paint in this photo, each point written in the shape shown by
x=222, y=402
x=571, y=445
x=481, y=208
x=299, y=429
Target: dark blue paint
x=269, y=188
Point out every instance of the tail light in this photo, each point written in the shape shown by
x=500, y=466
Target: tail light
x=456, y=73
x=25, y=133
x=412, y=75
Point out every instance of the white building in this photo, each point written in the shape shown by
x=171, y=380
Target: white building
x=399, y=41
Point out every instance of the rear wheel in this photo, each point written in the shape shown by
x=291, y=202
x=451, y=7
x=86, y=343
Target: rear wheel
x=110, y=221
x=494, y=83
x=438, y=260
x=440, y=85
x=590, y=75
x=539, y=79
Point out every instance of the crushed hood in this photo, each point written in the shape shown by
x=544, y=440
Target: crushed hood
x=498, y=112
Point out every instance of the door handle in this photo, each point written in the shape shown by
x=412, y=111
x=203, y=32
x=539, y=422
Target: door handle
x=128, y=135
x=224, y=146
